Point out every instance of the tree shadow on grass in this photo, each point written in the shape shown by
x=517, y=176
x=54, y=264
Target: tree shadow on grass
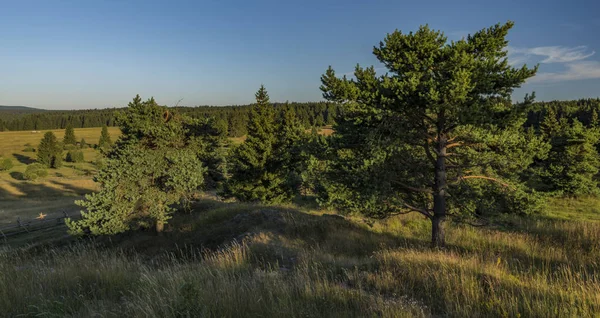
x=71, y=189
x=17, y=175
x=280, y=233
x=23, y=159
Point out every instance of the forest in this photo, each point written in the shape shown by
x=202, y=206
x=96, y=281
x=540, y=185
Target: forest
x=232, y=119
x=436, y=194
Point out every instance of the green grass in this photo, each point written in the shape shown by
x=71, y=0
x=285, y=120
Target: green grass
x=229, y=260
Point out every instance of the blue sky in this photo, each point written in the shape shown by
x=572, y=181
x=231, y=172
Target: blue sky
x=94, y=54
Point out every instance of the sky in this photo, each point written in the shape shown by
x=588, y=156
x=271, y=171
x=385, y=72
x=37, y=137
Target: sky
x=95, y=54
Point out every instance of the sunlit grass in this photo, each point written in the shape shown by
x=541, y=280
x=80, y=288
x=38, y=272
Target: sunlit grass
x=229, y=260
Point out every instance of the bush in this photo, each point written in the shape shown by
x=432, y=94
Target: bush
x=35, y=171
x=70, y=147
x=28, y=148
x=6, y=164
x=75, y=156
x=100, y=162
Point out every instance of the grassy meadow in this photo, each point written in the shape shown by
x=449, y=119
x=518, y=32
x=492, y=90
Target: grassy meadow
x=226, y=259
x=51, y=195
x=230, y=259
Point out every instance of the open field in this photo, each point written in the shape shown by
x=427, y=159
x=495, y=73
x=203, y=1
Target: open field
x=57, y=192
x=51, y=195
x=231, y=259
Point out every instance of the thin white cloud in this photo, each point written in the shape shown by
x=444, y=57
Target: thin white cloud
x=576, y=67
x=580, y=70
x=553, y=54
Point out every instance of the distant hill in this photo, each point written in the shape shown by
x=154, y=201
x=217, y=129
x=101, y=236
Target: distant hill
x=20, y=109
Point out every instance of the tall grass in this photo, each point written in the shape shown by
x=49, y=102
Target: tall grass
x=287, y=263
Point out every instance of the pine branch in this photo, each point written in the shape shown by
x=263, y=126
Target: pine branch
x=414, y=189
x=415, y=209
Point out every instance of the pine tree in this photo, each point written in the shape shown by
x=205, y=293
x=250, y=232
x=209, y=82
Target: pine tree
x=154, y=166
x=69, y=138
x=254, y=166
x=83, y=144
x=573, y=162
x=105, y=141
x=290, y=150
x=550, y=124
x=594, y=119
x=437, y=135
x=49, y=151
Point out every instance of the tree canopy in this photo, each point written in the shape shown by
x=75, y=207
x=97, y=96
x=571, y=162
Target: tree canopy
x=437, y=134
x=154, y=166
x=254, y=166
x=50, y=151
x=69, y=138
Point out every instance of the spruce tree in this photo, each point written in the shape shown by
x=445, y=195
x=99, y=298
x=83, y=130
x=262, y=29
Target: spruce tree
x=69, y=138
x=49, y=151
x=573, y=162
x=153, y=167
x=290, y=150
x=254, y=166
x=550, y=125
x=104, y=141
x=437, y=134
x=83, y=144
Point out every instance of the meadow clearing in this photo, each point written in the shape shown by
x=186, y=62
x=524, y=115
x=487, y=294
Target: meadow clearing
x=53, y=194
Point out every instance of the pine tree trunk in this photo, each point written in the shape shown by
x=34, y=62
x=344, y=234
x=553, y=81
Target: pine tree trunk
x=160, y=226
x=438, y=239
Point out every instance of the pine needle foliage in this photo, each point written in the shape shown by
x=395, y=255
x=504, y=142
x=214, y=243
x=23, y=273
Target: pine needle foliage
x=154, y=167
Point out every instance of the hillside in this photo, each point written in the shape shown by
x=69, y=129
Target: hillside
x=223, y=259
x=9, y=112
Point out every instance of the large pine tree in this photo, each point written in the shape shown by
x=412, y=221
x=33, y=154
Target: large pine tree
x=437, y=134
x=254, y=167
x=153, y=166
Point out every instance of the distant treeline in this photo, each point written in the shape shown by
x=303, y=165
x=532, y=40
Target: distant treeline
x=581, y=109
x=233, y=119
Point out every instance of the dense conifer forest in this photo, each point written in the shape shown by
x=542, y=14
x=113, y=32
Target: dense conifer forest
x=232, y=119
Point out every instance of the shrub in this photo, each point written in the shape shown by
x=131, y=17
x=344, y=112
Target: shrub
x=100, y=162
x=29, y=148
x=70, y=147
x=35, y=171
x=83, y=144
x=6, y=164
x=74, y=156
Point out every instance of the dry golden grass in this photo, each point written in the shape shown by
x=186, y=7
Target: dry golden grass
x=53, y=194
x=231, y=260
x=14, y=141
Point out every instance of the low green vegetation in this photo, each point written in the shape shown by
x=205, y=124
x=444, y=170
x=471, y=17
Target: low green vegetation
x=74, y=156
x=6, y=164
x=35, y=171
